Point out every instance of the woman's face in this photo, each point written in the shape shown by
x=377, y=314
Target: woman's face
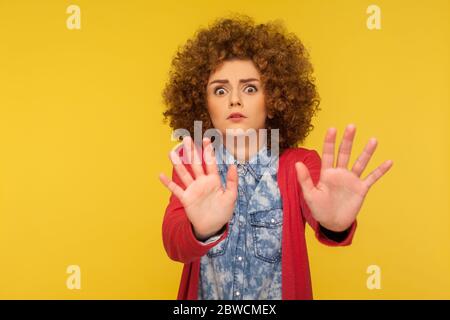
x=235, y=97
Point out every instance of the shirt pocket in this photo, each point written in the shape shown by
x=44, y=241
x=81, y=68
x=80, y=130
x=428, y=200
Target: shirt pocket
x=267, y=230
x=220, y=248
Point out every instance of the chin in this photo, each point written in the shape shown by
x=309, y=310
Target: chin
x=252, y=134
x=238, y=128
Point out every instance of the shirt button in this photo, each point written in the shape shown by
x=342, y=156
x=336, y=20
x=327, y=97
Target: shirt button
x=238, y=293
x=272, y=220
x=239, y=258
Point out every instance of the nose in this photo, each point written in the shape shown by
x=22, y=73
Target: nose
x=235, y=100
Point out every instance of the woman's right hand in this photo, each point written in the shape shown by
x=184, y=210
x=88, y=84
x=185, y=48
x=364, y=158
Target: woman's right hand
x=207, y=204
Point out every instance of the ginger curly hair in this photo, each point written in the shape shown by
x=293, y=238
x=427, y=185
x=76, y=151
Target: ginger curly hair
x=279, y=56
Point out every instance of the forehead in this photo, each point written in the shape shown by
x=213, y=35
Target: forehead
x=235, y=69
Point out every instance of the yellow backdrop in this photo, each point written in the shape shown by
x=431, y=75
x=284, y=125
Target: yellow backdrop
x=82, y=142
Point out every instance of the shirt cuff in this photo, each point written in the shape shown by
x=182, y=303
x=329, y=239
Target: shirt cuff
x=334, y=235
x=213, y=238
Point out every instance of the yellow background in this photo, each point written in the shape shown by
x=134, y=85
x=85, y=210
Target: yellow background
x=82, y=142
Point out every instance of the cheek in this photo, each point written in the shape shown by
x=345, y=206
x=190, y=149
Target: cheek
x=215, y=110
x=262, y=111
x=260, y=106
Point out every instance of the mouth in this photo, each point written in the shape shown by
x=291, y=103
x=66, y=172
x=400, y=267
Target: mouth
x=236, y=115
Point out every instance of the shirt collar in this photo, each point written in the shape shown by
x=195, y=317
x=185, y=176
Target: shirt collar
x=259, y=163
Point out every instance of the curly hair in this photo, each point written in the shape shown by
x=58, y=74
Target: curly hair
x=279, y=56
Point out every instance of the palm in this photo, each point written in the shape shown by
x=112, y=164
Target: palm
x=204, y=196
x=339, y=191
x=208, y=205
x=338, y=196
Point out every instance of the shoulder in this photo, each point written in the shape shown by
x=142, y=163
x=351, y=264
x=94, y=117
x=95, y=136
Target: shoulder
x=308, y=156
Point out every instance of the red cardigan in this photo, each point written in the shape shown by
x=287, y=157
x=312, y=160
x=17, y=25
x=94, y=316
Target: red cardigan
x=181, y=244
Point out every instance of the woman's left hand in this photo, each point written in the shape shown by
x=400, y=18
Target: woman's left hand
x=338, y=195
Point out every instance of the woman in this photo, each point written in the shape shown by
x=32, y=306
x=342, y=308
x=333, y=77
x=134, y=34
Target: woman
x=237, y=214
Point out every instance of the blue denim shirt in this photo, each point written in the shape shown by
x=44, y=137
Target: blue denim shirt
x=247, y=264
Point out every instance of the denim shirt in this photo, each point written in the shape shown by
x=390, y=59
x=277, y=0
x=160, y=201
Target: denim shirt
x=247, y=264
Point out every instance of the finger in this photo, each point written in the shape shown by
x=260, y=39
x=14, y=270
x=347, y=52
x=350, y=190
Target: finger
x=193, y=157
x=345, y=148
x=209, y=156
x=363, y=159
x=304, y=178
x=378, y=173
x=328, y=149
x=232, y=180
x=180, y=169
x=172, y=186
x=187, y=152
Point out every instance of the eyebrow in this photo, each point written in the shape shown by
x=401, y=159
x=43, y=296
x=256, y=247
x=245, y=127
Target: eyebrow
x=226, y=81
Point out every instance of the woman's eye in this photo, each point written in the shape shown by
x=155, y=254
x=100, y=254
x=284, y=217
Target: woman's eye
x=250, y=89
x=219, y=91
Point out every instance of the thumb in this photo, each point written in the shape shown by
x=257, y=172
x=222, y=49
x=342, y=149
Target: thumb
x=304, y=178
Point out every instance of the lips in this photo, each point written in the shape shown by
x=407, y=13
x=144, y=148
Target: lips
x=235, y=115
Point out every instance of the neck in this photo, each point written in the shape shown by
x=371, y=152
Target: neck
x=243, y=149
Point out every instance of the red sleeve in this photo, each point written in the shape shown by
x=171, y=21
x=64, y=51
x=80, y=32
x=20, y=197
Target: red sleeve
x=313, y=163
x=179, y=240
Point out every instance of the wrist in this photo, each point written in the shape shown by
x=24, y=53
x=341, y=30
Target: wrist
x=202, y=236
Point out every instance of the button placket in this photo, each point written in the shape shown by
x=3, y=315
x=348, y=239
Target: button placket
x=238, y=276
